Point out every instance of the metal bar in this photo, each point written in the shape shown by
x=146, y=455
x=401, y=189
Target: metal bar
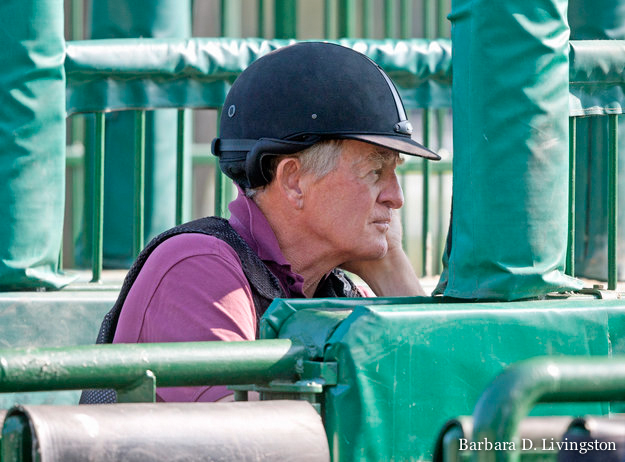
x=367, y=18
x=389, y=19
x=180, y=168
x=221, y=185
x=428, y=23
x=425, y=196
x=139, y=183
x=285, y=19
x=514, y=393
x=347, y=18
x=570, y=251
x=442, y=235
x=329, y=18
x=612, y=200
x=442, y=18
x=121, y=366
x=231, y=18
x=261, y=18
x=405, y=26
x=98, y=198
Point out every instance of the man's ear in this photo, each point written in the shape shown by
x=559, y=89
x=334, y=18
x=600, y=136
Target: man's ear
x=288, y=179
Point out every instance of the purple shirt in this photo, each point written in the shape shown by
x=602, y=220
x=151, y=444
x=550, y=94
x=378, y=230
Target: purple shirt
x=192, y=288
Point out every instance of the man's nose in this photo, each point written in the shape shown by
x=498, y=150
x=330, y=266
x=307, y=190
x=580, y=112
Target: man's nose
x=392, y=195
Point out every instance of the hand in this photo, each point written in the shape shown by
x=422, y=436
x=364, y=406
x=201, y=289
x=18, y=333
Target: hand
x=393, y=274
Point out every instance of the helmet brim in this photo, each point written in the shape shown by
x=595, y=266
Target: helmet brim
x=401, y=144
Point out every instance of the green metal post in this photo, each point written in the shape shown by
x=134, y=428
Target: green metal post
x=367, y=18
x=441, y=232
x=285, y=20
x=231, y=18
x=514, y=393
x=139, y=182
x=428, y=23
x=570, y=253
x=180, y=168
x=261, y=18
x=389, y=19
x=612, y=200
x=347, y=18
x=329, y=18
x=425, y=196
x=222, y=185
x=98, y=198
x=406, y=19
x=442, y=18
x=124, y=366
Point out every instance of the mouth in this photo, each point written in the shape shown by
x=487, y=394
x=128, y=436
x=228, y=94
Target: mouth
x=382, y=224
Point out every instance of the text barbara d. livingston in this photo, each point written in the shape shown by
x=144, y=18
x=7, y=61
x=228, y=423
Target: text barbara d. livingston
x=545, y=444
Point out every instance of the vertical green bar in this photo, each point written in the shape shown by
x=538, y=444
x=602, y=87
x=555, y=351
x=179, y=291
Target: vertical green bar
x=347, y=18
x=442, y=18
x=285, y=19
x=231, y=18
x=441, y=232
x=329, y=19
x=406, y=19
x=261, y=18
x=427, y=122
x=180, y=167
x=222, y=185
x=139, y=183
x=98, y=199
x=367, y=18
x=428, y=24
x=570, y=251
x=612, y=199
x=389, y=19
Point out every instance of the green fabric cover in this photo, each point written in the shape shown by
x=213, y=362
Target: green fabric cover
x=32, y=142
x=116, y=74
x=599, y=23
x=510, y=100
x=131, y=19
x=406, y=367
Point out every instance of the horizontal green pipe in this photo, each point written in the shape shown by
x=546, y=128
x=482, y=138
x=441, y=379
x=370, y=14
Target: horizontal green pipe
x=514, y=393
x=173, y=364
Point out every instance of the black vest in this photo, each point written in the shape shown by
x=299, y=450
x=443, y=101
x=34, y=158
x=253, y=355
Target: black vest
x=263, y=283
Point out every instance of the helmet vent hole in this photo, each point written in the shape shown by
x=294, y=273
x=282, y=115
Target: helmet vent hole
x=231, y=111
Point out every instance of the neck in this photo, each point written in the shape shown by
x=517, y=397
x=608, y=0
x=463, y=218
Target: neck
x=314, y=259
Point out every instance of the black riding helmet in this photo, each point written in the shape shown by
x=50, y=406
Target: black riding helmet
x=298, y=95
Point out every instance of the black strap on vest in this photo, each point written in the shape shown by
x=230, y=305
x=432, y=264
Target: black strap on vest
x=263, y=283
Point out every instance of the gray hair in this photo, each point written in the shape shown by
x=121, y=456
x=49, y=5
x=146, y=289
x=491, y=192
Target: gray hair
x=319, y=159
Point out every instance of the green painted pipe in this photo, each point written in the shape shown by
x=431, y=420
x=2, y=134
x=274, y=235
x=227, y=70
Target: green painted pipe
x=122, y=365
x=514, y=393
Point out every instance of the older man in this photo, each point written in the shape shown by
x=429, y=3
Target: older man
x=311, y=135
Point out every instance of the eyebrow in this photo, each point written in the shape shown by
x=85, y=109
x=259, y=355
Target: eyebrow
x=386, y=155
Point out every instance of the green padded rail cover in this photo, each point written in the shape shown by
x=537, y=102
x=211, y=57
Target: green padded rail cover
x=32, y=142
x=510, y=101
x=407, y=366
x=197, y=72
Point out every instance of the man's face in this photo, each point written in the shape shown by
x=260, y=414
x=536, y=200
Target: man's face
x=350, y=208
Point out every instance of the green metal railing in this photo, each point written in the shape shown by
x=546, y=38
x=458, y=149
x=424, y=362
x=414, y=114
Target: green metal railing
x=135, y=370
x=504, y=404
x=612, y=198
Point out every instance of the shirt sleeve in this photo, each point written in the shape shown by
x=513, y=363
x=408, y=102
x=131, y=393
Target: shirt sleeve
x=192, y=288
